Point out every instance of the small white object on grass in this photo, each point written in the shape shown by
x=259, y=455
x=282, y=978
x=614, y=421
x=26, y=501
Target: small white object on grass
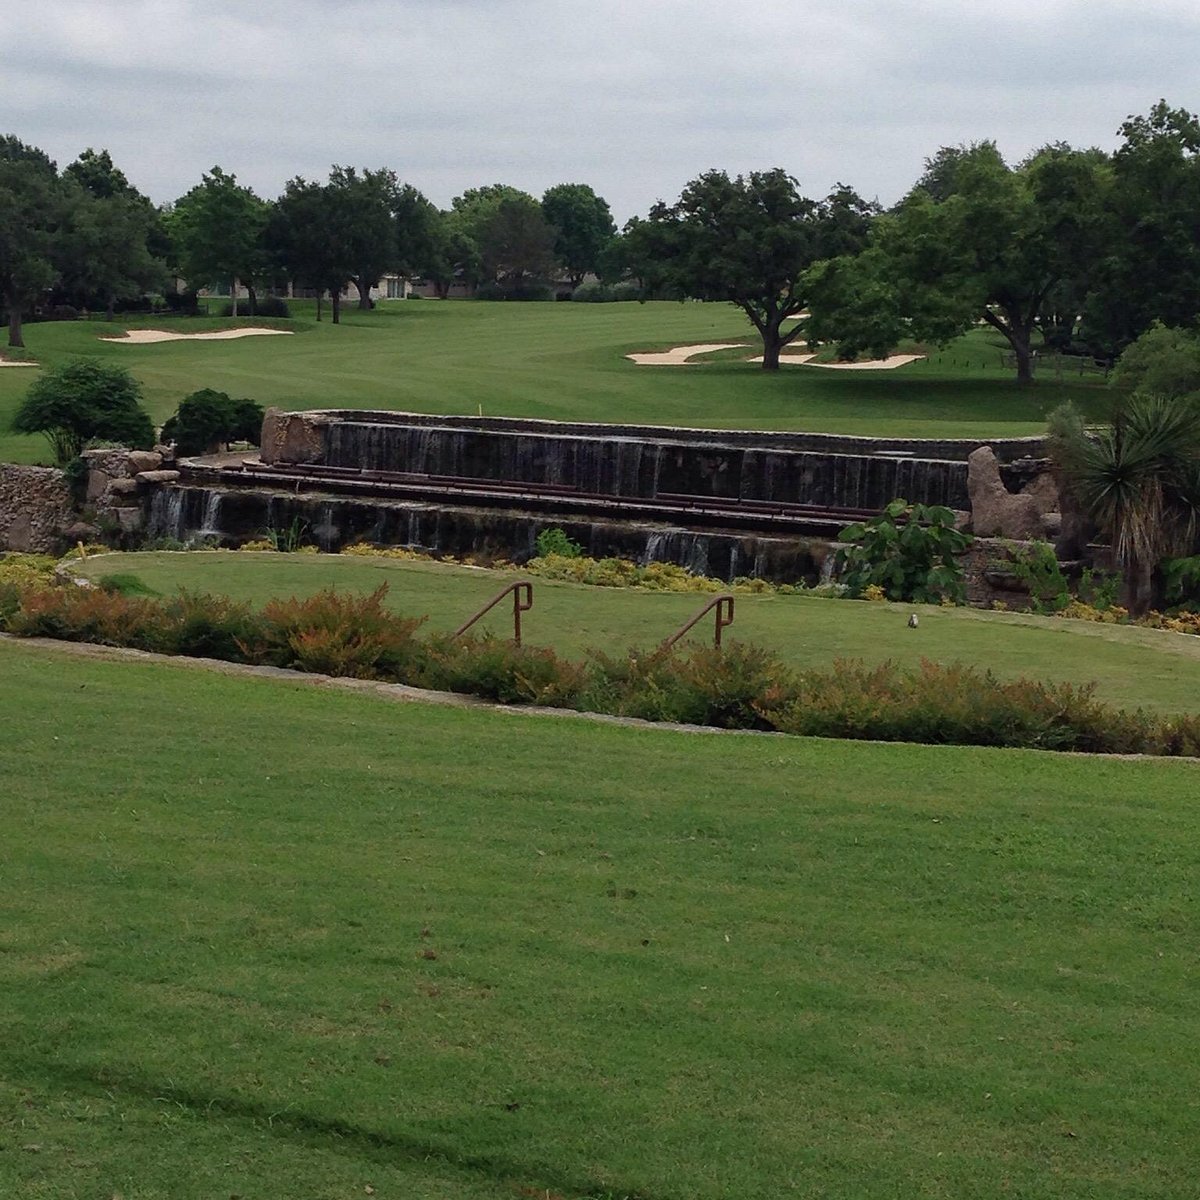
x=912, y=621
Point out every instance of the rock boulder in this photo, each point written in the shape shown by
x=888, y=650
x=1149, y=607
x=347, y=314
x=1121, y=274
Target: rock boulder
x=995, y=511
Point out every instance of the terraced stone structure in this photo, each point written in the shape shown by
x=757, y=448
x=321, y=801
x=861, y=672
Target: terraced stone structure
x=720, y=502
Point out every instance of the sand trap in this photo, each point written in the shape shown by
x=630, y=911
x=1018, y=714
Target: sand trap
x=872, y=364
x=795, y=360
x=146, y=337
x=681, y=356
x=4, y=362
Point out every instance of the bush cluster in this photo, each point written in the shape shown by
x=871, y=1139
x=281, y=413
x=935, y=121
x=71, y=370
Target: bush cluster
x=739, y=687
x=264, y=306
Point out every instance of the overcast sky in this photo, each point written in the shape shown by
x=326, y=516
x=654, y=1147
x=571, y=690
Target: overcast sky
x=635, y=97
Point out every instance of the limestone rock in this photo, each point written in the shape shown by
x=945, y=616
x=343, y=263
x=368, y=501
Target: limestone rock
x=131, y=520
x=995, y=511
x=292, y=437
x=144, y=460
x=123, y=487
x=1044, y=489
x=158, y=477
x=81, y=531
x=98, y=483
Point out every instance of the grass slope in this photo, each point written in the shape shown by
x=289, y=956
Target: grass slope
x=1131, y=666
x=263, y=940
x=557, y=361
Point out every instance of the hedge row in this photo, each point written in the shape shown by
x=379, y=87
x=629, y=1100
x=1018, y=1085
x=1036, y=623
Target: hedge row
x=740, y=687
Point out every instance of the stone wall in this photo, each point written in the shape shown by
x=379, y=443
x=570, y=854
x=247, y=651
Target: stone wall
x=120, y=482
x=35, y=508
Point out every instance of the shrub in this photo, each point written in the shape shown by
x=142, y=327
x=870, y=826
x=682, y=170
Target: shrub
x=909, y=550
x=27, y=570
x=77, y=614
x=593, y=292
x=264, y=306
x=1036, y=566
x=211, y=626
x=1181, y=578
x=81, y=400
x=502, y=671
x=207, y=419
x=335, y=634
x=954, y=703
x=555, y=541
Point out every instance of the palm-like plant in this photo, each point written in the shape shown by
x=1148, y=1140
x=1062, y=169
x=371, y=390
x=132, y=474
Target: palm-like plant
x=1138, y=479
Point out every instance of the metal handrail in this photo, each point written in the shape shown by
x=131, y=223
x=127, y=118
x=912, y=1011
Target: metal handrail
x=522, y=586
x=724, y=617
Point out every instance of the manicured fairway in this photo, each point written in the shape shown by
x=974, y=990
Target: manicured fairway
x=556, y=361
x=1131, y=666
x=266, y=940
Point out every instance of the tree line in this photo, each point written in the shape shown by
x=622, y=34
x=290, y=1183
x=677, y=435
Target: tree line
x=1076, y=250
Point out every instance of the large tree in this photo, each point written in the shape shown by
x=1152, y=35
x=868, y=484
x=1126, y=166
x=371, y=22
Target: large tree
x=368, y=202
x=584, y=227
x=308, y=237
x=517, y=245
x=217, y=231
x=114, y=247
x=749, y=240
x=33, y=215
x=975, y=240
x=1150, y=270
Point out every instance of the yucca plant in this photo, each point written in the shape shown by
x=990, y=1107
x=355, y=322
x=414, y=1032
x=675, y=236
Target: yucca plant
x=1138, y=479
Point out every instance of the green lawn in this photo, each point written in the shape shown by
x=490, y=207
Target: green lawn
x=562, y=361
x=266, y=940
x=1131, y=666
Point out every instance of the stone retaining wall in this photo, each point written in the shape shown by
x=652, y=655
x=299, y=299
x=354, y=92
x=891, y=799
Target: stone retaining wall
x=35, y=507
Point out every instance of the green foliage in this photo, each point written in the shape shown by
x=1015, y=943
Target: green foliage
x=1162, y=362
x=1036, y=566
x=583, y=227
x=937, y=703
x=749, y=240
x=555, y=541
x=208, y=419
x=1138, y=479
x=1181, y=577
x=82, y=400
x=263, y=306
x=909, y=550
x=217, y=231
x=126, y=584
x=501, y=671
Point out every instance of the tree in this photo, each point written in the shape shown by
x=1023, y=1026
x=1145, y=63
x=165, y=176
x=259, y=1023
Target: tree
x=217, y=230
x=975, y=240
x=749, y=240
x=584, y=227
x=1138, y=479
x=368, y=203
x=82, y=400
x=517, y=245
x=207, y=420
x=307, y=237
x=1151, y=270
x=466, y=225
x=32, y=215
x=114, y=247
x=417, y=222
x=1162, y=362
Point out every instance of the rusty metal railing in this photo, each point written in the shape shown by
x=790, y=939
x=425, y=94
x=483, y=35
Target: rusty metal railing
x=723, y=605
x=522, y=594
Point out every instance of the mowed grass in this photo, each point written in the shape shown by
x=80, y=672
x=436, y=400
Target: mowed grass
x=263, y=939
x=1132, y=667
x=561, y=361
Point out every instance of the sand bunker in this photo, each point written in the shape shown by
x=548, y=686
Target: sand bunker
x=146, y=337
x=795, y=360
x=681, y=356
x=4, y=362
x=871, y=364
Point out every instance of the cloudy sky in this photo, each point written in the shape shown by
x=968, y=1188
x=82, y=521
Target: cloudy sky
x=634, y=97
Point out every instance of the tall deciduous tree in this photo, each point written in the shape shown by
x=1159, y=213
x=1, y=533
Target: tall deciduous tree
x=33, y=214
x=749, y=240
x=584, y=227
x=974, y=241
x=368, y=202
x=517, y=245
x=308, y=237
x=1150, y=270
x=217, y=230
x=114, y=246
